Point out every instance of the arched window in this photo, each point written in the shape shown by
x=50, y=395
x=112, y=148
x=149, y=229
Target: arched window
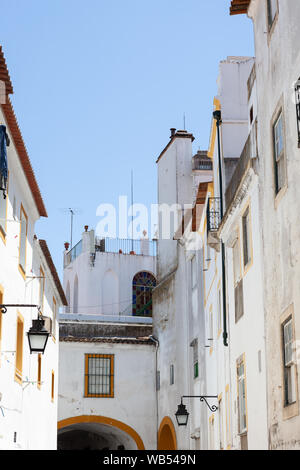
x=75, y=296
x=142, y=286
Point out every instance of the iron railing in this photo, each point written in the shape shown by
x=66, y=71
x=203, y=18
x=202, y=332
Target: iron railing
x=125, y=246
x=74, y=252
x=213, y=214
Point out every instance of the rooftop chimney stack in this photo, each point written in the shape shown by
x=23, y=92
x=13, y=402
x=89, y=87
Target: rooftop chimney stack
x=173, y=130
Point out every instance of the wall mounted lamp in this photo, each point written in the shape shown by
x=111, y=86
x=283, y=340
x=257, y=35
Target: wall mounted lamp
x=37, y=334
x=182, y=415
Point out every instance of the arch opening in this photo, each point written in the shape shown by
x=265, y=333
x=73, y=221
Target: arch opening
x=167, y=435
x=96, y=433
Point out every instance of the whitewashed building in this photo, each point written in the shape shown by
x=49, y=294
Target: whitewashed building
x=276, y=35
x=28, y=382
x=107, y=396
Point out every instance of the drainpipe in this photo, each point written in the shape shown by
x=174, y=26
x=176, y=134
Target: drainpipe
x=217, y=117
x=156, y=350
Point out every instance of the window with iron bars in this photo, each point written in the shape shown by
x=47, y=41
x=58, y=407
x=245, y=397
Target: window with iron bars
x=99, y=375
x=297, y=91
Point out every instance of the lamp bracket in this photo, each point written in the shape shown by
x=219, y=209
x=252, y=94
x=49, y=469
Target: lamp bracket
x=213, y=408
x=4, y=307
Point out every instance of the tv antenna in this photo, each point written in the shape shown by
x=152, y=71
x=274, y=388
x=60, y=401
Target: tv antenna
x=72, y=211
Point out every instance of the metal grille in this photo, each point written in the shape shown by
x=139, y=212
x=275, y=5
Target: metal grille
x=99, y=375
x=297, y=91
x=213, y=214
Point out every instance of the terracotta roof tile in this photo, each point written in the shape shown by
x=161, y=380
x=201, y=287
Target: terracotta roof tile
x=48, y=257
x=239, y=6
x=4, y=74
x=15, y=132
x=116, y=340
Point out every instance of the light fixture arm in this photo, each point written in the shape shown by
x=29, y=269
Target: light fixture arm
x=213, y=408
x=4, y=307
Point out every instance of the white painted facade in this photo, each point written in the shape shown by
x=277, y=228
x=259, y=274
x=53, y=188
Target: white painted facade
x=276, y=38
x=100, y=321
x=28, y=410
x=100, y=283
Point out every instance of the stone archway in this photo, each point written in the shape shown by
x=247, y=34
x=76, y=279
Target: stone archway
x=167, y=435
x=97, y=433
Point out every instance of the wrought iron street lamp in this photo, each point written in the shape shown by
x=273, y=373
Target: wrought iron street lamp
x=182, y=414
x=37, y=335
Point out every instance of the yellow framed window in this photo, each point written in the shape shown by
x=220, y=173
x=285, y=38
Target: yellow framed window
x=19, y=349
x=242, y=395
x=23, y=240
x=52, y=386
x=1, y=302
x=54, y=315
x=99, y=375
x=41, y=288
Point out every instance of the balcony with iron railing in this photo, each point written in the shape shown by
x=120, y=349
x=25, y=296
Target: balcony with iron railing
x=126, y=246
x=142, y=247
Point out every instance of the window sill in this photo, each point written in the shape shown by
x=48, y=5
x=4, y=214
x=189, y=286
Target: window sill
x=22, y=272
x=290, y=411
x=280, y=195
x=3, y=235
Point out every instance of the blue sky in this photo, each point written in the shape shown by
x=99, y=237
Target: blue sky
x=97, y=86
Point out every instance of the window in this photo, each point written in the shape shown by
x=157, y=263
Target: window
x=194, y=292
x=142, y=285
x=297, y=91
x=228, y=416
x=289, y=367
x=99, y=375
x=219, y=311
x=242, y=400
x=3, y=206
x=221, y=431
x=194, y=345
x=41, y=288
x=211, y=327
x=238, y=281
x=52, y=386
x=246, y=237
x=172, y=381
x=54, y=310
x=279, y=156
x=272, y=11
x=19, y=349
x=23, y=238
x=1, y=302
x=39, y=374
x=236, y=261
x=212, y=432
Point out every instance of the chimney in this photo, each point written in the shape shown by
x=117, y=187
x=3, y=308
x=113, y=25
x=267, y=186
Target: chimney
x=67, y=245
x=173, y=130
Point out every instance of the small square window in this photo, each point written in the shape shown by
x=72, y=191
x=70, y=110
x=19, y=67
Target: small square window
x=99, y=375
x=279, y=154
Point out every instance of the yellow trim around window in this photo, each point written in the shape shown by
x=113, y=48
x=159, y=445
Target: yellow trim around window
x=250, y=262
x=39, y=372
x=1, y=316
x=22, y=269
x=240, y=361
x=19, y=348
x=228, y=417
x=54, y=315
x=52, y=385
x=86, y=391
x=3, y=232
